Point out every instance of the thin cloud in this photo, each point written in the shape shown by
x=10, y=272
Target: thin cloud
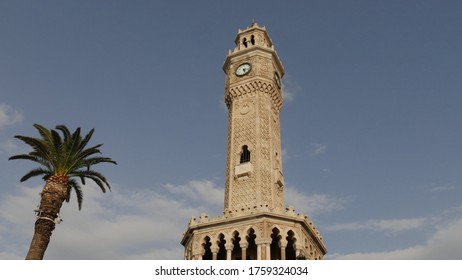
x=442, y=188
x=285, y=155
x=384, y=225
x=8, y=147
x=290, y=88
x=443, y=244
x=318, y=148
x=9, y=115
x=312, y=205
x=199, y=191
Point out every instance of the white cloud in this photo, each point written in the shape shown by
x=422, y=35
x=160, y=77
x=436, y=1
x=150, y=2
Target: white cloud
x=443, y=244
x=9, y=116
x=385, y=225
x=442, y=188
x=318, y=148
x=287, y=93
x=314, y=204
x=199, y=191
x=8, y=146
x=285, y=155
x=127, y=223
x=290, y=88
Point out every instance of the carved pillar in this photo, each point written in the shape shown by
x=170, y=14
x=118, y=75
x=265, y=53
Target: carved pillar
x=258, y=251
x=268, y=251
x=264, y=249
x=244, y=245
x=267, y=248
x=215, y=250
x=283, y=245
x=229, y=251
x=198, y=253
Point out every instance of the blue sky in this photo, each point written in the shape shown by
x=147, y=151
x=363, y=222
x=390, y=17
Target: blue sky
x=371, y=125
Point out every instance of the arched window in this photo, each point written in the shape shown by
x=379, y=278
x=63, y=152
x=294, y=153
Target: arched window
x=244, y=42
x=252, y=40
x=290, y=249
x=237, y=250
x=208, y=253
x=275, y=240
x=221, y=247
x=245, y=154
x=252, y=249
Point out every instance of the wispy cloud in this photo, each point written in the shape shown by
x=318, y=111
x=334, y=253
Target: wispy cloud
x=385, y=225
x=9, y=115
x=8, y=146
x=442, y=188
x=443, y=244
x=314, y=204
x=290, y=88
x=318, y=148
x=285, y=155
x=199, y=191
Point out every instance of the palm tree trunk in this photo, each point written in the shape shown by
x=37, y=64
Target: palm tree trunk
x=52, y=197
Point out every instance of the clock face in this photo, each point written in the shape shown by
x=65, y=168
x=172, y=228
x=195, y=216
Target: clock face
x=277, y=79
x=243, y=69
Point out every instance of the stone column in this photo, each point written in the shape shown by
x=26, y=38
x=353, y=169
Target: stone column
x=215, y=253
x=229, y=251
x=283, y=245
x=259, y=251
x=198, y=253
x=244, y=245
x=268, y=251
x=264, y=249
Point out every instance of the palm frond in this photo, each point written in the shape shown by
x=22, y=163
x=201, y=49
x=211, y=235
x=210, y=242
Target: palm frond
x=65, y=131
x=35, y=157
x=95, y=176
x=93, y=161
x=87, y=138
x=35, y=172
x=38, y=146
x=74, y=185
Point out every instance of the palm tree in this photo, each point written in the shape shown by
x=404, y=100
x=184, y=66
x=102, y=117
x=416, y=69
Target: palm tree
x=64, y=162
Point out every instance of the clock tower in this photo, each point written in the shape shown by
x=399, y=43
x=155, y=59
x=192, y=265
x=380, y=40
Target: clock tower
x=255, y=224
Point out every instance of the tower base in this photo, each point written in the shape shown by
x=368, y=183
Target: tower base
x=256, y=236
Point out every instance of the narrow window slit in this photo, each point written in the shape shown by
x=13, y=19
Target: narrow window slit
x=245, y=155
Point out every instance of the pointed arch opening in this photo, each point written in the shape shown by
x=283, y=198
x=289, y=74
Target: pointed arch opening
x=252, y=249
x=207, y=248
x=237, y=250
x=221, y=255
x=244, y=42
x=275, y=246
x=290, y=249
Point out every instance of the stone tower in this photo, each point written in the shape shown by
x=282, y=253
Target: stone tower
x=255, y=224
